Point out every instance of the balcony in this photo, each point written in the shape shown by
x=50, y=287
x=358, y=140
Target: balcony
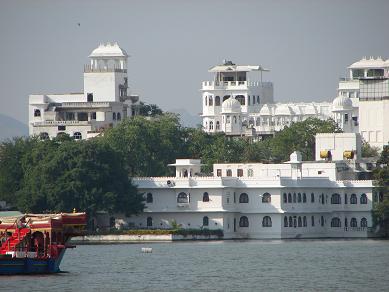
x=234, y=85
x=83, y=104
x=90, y=69
x=60, y=123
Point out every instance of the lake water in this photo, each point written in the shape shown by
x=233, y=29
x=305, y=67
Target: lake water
x=292, y=265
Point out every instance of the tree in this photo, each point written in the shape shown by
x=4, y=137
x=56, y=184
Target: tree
x=148, y=110
x=369, y=151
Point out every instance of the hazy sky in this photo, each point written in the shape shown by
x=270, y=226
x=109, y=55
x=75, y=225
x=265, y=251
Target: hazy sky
x=306, y=44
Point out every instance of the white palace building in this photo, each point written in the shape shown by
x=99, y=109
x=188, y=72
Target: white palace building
x=290, y=200
x=104, y=102
x=238, y=103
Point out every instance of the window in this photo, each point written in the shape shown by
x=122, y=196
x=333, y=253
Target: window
x=363, y=199
x=206, y=100
x=244, y=221
x=322, y=199
x=93, y=116
x=312, y=198
x=305, y=221
x=285, y=221
x=313, y=220
x=357, y=73
x=239, y=172
x=248, y=100
x=289, y=198
x=294, y=197
x=335, y=199
x=205, y=197
x=353, y=199
x=114, y=116
x=250, y=173
x=217, y=100
x=241, y=99
x=345, y=222
x=89, y=97
x=218, y=172
x=285, y=196
x=229, y=172
x=243, y=198
x=266, y=198
x=44, y=136
x=205, y=221
x=37, y=113
x=335, y=222
x=363, y=222
x=210, y=102
x=235, y=120
x=266, y=222
x=149, y=198
x=77, y=136
x=345, y=198
x=300, y=224
x=226, y=97
x=353, y=222
x=217, y=125
x=346, y=118
x=290, y=221
x=299, y=197
x=322, y=221
x=182, y=198
x=149, y=222
x=61, y=128
x=119, y=117
x=211, y=125
x=258, y=100
x=304, y=197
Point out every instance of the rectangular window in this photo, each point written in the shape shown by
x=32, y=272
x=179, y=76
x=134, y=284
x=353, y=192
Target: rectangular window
x=345, y=198
x=89, y=97
x=240, y=172
x=219, y=172
x=322, y=221
x=93, y=116
x=313, y=220
x=346, y=118
x=69, y=116
x=61, y=128
x=234, y=198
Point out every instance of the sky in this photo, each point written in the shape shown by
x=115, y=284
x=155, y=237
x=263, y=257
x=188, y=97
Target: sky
x=307, y=45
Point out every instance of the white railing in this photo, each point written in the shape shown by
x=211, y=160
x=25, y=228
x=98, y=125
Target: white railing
x=236, y=84
x=50, y=123
x=85, y=104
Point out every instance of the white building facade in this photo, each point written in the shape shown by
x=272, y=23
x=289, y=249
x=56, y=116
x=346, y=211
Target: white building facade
x=291, y=200
x=104, y=102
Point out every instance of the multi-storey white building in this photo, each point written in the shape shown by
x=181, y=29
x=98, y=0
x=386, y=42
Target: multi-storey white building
x=104, y=102
x=292, y=200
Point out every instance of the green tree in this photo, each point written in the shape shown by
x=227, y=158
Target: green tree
x=148, y=110
x=369, y=151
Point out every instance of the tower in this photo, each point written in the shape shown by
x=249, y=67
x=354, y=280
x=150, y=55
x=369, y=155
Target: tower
x=105, y=79
x=342, y=112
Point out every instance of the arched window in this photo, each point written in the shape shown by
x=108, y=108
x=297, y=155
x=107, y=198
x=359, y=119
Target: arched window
x=299, y=197
x=217, y=100
x=205, y=221
x=149, y=198
x=114, y=116
x=285, y=196
x=353, y=199
x=149, y=222
x=300, y=224
x=266, y=198
x=182, y=198
x=229, y=172
x=44, y=136
x=37, y=113
x=363, y=222
x=241, y=99
x=290, y=221
x=243, y=198
x=234, y=119
x=244, y=221
x=312, y=198
x=294, y=197
x=77, y=136
x=205, y=197
x=211, y=125
x=335, y=199
x=286, y=221
x=206, y=100
x=119, y=117
x=250, y=172
x=335, y=222
x=289, y=198
x=345, y=198
x=226, y=97
x=217, y=125
x=363, y=199
x=304, y=197
x=305, y=221
x=266, y=221
x=353, y=222
x=210, y=102
x=345, y=222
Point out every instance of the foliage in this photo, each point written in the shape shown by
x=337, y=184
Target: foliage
x=61, y=174
x=148, y=110
x=369, y=151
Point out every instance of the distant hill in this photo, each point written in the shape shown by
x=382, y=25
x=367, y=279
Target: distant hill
x=9, y=127
x=187, y=119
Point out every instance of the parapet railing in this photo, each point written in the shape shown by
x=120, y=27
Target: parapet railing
x=236, y=83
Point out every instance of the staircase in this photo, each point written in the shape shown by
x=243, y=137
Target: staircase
x=17, y=237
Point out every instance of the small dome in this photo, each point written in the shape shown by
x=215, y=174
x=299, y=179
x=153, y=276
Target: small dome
x=342, y=103
x=282, y=110
x=108, y=50
x=265, y=110
x=231, y=105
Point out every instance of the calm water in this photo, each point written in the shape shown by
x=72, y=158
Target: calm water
x=329, y=265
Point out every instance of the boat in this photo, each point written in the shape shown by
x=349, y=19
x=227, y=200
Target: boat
x=36, y=243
